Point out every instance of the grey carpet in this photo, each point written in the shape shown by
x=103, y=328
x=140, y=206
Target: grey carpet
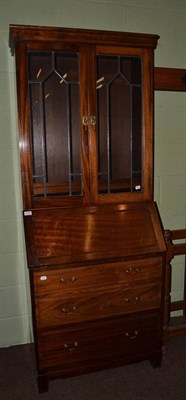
x=18, y=379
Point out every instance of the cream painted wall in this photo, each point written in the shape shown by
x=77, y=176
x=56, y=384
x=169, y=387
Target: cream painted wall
x=164, y=17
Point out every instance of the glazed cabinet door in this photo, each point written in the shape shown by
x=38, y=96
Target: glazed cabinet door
x=54, y=142
x=121, y=131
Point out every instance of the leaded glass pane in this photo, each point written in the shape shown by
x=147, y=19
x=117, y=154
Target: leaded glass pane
x=55, y=123
x=119, y=121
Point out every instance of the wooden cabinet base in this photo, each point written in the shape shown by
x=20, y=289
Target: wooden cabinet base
x=44, y=378
x=43, y=383
x=156, y=359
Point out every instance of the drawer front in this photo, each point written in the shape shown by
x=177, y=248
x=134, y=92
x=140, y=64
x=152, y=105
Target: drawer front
x=99, y=343
x=55, y=282
x=96, y=304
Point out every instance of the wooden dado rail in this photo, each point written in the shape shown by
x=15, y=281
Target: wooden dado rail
x=174, y=326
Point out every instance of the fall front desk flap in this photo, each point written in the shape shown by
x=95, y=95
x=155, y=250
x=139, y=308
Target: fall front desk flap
x=83, y=234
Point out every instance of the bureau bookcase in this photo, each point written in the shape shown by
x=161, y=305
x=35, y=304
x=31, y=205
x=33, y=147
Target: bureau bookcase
x=94, y=239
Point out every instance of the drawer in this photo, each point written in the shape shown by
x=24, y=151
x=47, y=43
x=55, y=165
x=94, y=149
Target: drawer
x=99, y=343
x=55, y=282
x=96, y=304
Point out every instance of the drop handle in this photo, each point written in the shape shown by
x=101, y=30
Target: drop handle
x=132, y=336
x=68, y=310
x=71, y=347
x=136, y=300
x=64, y=281
x=132, y=270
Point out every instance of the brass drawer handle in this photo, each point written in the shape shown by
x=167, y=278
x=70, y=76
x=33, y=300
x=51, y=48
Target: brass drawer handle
x=69, y=311
x=71, y=347
x=130, y=336
x=132, y=270
x=65, y=282
x=133, y=301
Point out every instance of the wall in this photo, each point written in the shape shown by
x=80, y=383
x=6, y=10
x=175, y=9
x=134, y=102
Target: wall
x=164, y=17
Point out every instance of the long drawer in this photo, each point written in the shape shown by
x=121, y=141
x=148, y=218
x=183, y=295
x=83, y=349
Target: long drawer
x=96, y=304
x=57, y=281
x=94, y=344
